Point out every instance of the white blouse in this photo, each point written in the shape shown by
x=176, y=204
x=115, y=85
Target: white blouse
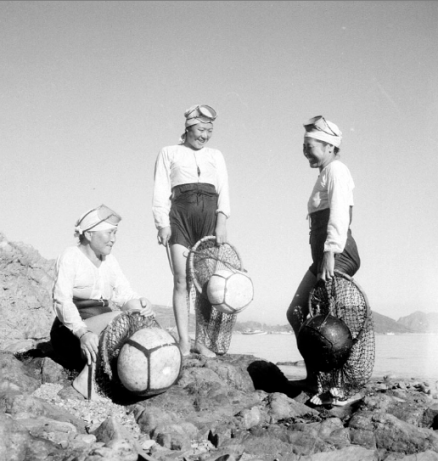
x=177, y=165
x=334, y=189
x=76, y=276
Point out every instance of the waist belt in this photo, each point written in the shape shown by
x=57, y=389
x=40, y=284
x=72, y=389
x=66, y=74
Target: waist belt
x=84, y=303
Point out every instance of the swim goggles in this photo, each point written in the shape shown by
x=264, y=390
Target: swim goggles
x=202, y=112
x=320, y=123
x=104, y=213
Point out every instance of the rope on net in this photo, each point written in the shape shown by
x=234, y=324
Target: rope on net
x=343, y=298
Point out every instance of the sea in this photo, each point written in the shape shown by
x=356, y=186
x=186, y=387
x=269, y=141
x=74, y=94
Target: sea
x=410, y=355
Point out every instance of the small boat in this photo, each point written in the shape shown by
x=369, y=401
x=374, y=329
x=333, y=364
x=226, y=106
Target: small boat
x=254, y=332
x=390, y=333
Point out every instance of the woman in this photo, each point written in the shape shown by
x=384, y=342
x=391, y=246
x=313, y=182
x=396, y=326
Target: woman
x=89, y=291
x=190, y=201
x=330, y=212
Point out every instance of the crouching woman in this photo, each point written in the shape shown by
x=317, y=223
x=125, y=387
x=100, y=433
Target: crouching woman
x=89, y=291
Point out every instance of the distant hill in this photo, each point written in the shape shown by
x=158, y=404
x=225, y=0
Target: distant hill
x=384, y=324
x=421, y=322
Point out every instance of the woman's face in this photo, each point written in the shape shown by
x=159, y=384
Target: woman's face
x=198, y=135
x=101, y=242
x=317, y=153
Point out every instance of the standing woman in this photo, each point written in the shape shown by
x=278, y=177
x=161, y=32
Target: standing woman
x=330, y=213
x=191, y=201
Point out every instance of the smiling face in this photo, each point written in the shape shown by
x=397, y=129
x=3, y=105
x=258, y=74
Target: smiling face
x=319, y=154
x=198, y=135
x=101, y=242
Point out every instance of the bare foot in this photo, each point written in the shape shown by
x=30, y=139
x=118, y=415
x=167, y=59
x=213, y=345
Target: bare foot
x=184, y=348
x=317, y=399
x=337, y=392
x=203, y=350
x=335, y=397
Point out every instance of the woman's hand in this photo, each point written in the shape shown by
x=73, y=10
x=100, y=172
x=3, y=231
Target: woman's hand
x=89, y=345
x=163, y=235
x=142, y=304
x=146, y=309
x=327, y=270
x=221, y=229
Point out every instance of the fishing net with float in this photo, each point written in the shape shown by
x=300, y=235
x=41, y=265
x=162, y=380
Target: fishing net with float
x=342, y=298
x=111, y=341
x=213, y=328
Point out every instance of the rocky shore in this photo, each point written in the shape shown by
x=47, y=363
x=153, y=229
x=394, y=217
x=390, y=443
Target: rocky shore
x=234, y=407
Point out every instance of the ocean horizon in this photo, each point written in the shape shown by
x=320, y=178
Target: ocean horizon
x=404, y=355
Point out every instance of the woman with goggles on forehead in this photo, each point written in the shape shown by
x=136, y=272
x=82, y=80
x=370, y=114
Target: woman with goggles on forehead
x=190, y=201
x=330, y=213
x=89, y=291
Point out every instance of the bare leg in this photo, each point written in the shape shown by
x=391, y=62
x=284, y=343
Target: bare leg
x=84, y=382
x=296, y=315
x=180, y=310
x=179, y=260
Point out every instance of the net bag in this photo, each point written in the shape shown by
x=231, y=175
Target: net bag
x=342, y=298
x=111, y=341
x=213, y=328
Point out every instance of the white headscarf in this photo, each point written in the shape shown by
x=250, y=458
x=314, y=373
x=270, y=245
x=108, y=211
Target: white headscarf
x=97, y=219
x=197, y=114
x=331, y=134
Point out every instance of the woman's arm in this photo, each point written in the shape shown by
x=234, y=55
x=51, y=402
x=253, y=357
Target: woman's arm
x=339, y=187
x=162, y=191
x=223, y=209
x=62, y=294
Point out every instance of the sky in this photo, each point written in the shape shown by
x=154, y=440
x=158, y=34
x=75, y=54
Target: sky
x=91, y=91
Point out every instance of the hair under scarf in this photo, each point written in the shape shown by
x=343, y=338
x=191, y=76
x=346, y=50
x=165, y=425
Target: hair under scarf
x=197, y=114
x=332, y=134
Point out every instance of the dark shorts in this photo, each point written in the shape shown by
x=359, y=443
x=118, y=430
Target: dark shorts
x=347, y=262
x=193, y=213
x=65, y=344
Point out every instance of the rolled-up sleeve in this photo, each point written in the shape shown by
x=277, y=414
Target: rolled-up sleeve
x=339, y=195
x=62, y=293
x=222, y=186
x=162, y=191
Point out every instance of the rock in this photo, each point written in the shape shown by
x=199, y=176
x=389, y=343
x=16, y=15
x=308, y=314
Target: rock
x=233, y=407
x=52, y=372
x=430, y=417
x=25, y=301
x=14, y=376
x=345, y=454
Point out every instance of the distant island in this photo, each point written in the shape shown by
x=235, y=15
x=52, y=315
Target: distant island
x=418, y=322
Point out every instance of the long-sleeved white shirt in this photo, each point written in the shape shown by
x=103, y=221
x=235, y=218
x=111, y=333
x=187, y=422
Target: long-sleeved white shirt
x=76, y=276
x=177, y=165
x=334, y=189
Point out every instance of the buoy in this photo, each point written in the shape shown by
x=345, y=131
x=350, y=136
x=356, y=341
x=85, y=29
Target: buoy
x=149, y=362
x=230, y=291
x=325, y=342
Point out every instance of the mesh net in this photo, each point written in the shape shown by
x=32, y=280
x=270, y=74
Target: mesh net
x=213, y=328
x=344, y=299
x=111, y=341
